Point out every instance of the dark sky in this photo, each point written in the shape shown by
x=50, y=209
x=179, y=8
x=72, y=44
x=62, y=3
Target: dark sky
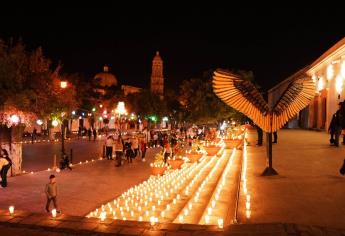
x=274, y=43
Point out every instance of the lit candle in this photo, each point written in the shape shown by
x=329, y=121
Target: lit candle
x=247, y=205
x=209, y=210
x=181, y=218
x=185, y=212
x=140, y=218
x=54, y=213
x=248, y=214
x=11, y=209
x=220, y=223
x=152, y=220
x=213, y=203
x=162, y=213
x=207, y=219
x=248, y=198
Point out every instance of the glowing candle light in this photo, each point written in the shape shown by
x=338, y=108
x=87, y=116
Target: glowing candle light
x=140, y=218
x=185, y=212
x=152, y=220
x=180, y=218
x=190, y=206
x=168, y=207
x=163, y=214
x=207, y=219
x=54, y=213
x=153, y=208
x=247, y=205
x=248, y=214
x=11, y=209
x=213, y=203
x=147, y=213
x=220, y=223
x=209, y=210
x=174, y=201
x=248, y=198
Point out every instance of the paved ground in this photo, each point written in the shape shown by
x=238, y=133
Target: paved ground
x=80, y=190
x=40, y=156
x=308, y=189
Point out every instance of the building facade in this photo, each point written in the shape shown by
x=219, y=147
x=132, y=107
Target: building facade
x=328, y=73
x=157, y=79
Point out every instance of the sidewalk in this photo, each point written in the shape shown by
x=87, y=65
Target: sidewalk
x=80, y=190
x=308, y=190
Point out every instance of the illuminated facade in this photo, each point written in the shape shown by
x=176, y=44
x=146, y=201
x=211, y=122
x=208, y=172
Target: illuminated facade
x=328, y=72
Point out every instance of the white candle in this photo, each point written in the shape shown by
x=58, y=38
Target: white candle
x=11, y=209
x=220, y=223
x=54, y=213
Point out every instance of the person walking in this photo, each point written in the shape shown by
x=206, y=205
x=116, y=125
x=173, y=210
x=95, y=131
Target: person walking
x=118, y=150
x=51, y=193
x=275, y=137
x=89, y=133
x=143, y=149
x=167, y=151
x=94, y=132
x=109, y=147
x=135, y=145
x=332, y=129
x=5, y=165
x=338, y=124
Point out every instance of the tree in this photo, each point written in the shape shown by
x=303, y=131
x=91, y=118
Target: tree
x=201, y=105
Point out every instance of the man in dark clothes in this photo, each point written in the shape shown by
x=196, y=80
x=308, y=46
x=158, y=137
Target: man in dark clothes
x=260, y=135
x=275, y=137
x=338, y=124
x=331, y=129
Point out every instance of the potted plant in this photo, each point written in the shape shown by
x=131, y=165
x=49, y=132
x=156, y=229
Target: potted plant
x=233, y=143
x=158, y=167
x=211, y=149
x=194, y=154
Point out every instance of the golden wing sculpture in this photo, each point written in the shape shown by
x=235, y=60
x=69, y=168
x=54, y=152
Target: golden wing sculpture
x=244, y=97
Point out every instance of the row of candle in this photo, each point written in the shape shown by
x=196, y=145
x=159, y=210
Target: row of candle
x=246, y=193
x=205, y=189
x=58, y=169
x=157, y=191
x=210, y=215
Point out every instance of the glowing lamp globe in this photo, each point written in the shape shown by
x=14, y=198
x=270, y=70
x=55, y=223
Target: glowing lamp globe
x=63, y=84
x=14, y=119
x=55, y=123
x=39, y=122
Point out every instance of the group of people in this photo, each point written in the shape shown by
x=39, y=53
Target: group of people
x=128, y=147
x=5, y=165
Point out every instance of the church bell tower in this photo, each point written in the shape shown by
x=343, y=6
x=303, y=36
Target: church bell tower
x=157, y=79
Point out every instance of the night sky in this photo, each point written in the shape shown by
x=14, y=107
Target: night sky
x=273, y=43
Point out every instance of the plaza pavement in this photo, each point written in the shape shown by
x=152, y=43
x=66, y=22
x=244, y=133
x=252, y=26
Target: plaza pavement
x=308, y=190
x=40, y=156
x=81, y=190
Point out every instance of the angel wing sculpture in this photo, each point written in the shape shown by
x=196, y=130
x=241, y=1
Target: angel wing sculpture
x=244, y=97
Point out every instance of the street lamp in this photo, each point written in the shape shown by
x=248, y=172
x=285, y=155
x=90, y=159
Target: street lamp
x=63, y=85
x=121, y=110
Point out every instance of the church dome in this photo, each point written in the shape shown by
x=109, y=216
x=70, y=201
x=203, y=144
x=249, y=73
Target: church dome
x=105, y=78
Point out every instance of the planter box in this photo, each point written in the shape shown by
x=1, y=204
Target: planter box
x=158, y=170
x=193, y=157
x=212, y=150
x=176, y=164
x=232, y=143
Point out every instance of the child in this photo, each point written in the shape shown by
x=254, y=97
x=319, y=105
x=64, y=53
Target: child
x=51, y=192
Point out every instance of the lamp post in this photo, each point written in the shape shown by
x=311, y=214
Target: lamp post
x=63, y=85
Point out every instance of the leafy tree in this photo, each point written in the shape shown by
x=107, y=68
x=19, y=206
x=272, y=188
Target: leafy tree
x=28, y=86
x=201, y=105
